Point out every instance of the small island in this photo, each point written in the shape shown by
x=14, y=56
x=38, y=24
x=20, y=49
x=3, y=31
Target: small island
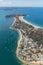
x=30, y=44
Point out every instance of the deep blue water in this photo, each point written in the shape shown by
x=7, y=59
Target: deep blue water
x=9, y=38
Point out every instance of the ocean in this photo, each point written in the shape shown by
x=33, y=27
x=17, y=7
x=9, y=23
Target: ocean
x=8, y=37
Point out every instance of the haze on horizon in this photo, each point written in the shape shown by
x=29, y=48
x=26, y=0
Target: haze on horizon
x=21, y=3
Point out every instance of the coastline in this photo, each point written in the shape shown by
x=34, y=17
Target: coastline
x=18, y=44
x=22, y=18
x=36, y=26
x=13, y=23
x=19, y=40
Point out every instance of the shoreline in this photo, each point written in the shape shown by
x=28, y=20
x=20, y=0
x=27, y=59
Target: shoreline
x=18, y=43
x=22, y=18
x=20, y=35
x=36, y=26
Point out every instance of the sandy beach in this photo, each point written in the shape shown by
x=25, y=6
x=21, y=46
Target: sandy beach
x=19, y=40
x=22, y=18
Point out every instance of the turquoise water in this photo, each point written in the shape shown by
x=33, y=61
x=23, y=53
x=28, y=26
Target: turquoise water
x=9, y=38
x=8, y=44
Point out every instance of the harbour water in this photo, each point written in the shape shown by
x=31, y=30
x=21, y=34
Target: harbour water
x=9, y=38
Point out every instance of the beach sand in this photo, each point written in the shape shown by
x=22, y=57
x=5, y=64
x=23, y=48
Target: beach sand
x=22, y=18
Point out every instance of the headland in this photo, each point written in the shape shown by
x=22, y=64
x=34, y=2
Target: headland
x=30, y=44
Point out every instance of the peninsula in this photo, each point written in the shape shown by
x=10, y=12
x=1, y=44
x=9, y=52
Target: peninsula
x=30, y=44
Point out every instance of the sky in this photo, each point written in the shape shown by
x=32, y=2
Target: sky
x=21, y=3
